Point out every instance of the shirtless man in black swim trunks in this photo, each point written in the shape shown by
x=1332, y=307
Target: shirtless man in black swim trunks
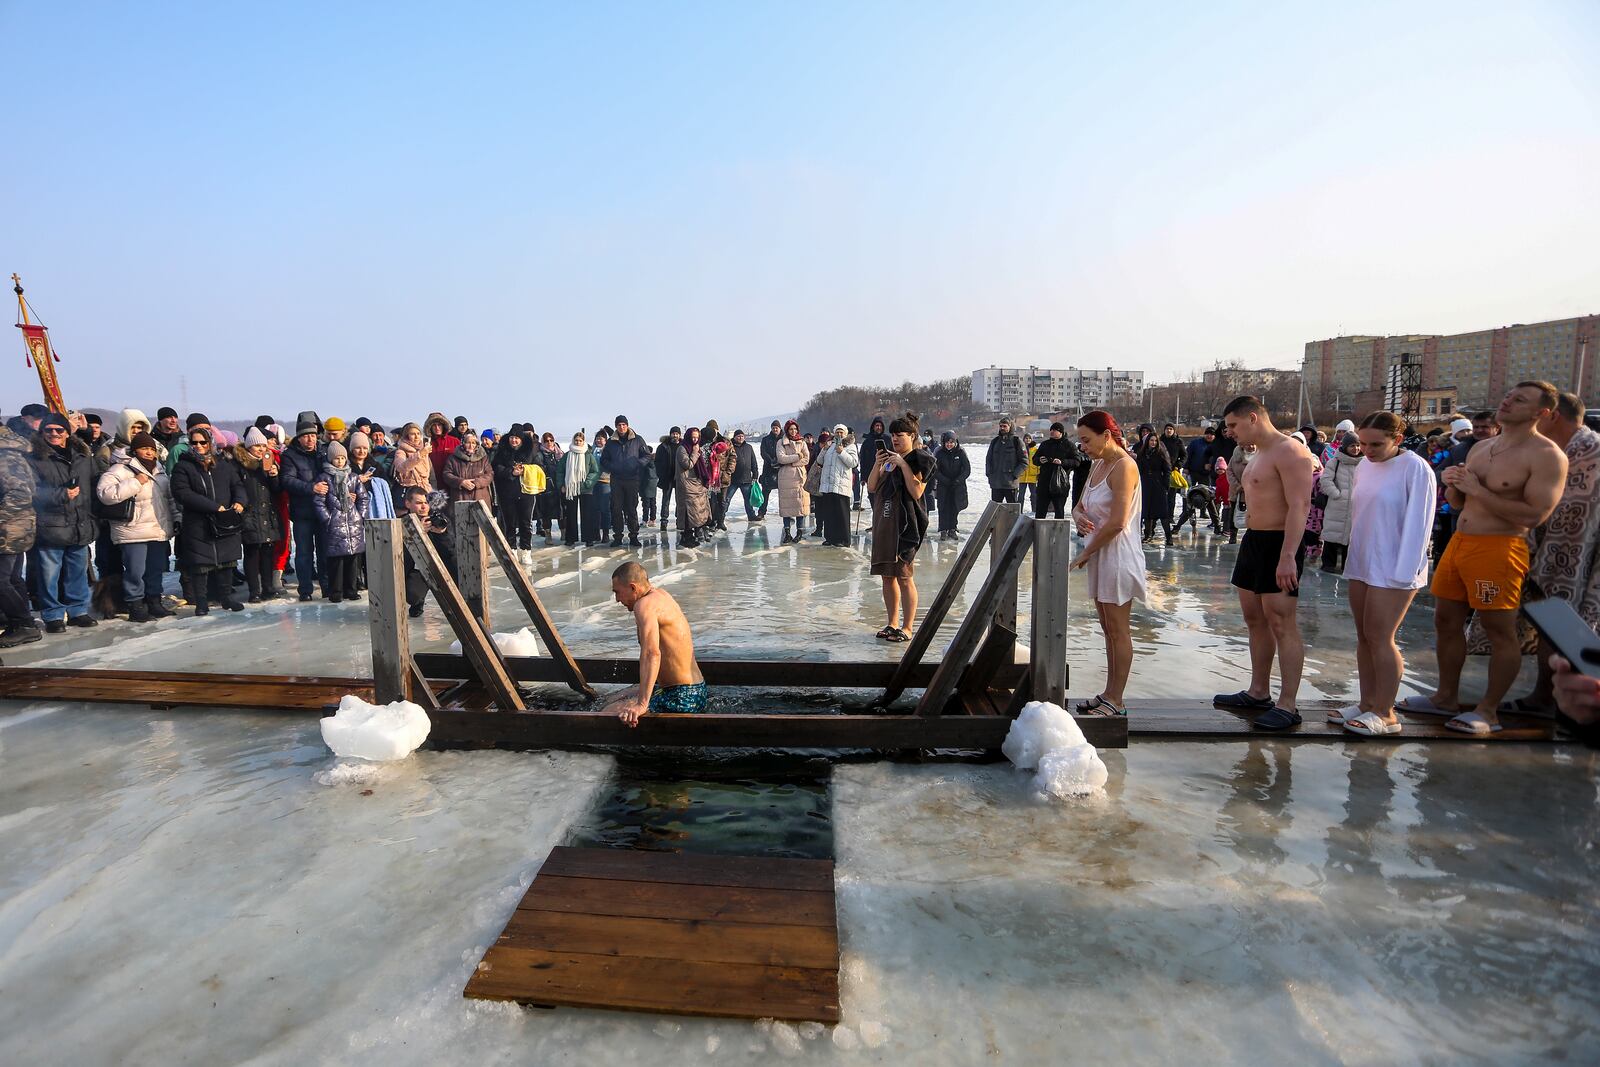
x=669, y=678
x=1277, y=492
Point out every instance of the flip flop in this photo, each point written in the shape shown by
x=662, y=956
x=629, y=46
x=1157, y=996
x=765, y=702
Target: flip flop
x=1344, y=714
x=1423, y=705
x=1242, y=701
x=1470, y=722
x=1368, y=724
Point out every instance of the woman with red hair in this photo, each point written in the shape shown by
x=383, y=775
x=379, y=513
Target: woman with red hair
x=1109, y=516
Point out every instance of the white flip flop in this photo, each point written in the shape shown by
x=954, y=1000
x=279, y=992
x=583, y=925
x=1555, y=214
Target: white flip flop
x=1423, y=705
x=1344, y=714
x=1368, y=724
x=1470, y=722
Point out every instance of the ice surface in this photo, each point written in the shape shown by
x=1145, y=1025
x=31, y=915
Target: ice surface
x=360, y=730
x=521, y=642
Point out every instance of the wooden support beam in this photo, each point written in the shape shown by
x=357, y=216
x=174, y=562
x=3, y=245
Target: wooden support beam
x=552, y=729
x=1047, y=641
x=750, y=673
x=979, y=676
x=490, y=531
x=482, y=652
x=386, y=611
x=981, y=615
x=472, y=559
x=1005, y=520
x=942, y=601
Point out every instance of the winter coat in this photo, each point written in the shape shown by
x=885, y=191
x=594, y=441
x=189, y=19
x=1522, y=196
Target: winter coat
x=341, y=514
x=1051, y=449
x=744, y=464
x=198, y=493
x=439, y=448
x=412, y=467
x=1337, y=480
x=872, y=443
x=591, y=477
x=298, y=471
x=625, y=458
x=1030, y=473
x=154, y=515
x=838, y=469
x=261, y=526
x=649, y=478
x=1175, y=450
x=17, y=522
x=951, y=469
x=380, y=501
x=1155, y=472
x=1005, y=462
x=694, y=500
x=792, y=458
x=60, y=521
x=666, y=462
x=507, y=483
x=461, y=467
x=1195, y=458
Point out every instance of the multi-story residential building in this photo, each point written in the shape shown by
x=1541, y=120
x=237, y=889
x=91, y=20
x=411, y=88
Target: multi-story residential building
x=1480, y=366
x=1035, y=389
x=1241, y=382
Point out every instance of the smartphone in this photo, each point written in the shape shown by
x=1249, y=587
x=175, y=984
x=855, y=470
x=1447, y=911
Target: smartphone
x=1559, y=624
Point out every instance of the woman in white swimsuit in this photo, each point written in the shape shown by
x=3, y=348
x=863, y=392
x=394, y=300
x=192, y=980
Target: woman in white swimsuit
x=1109, y=515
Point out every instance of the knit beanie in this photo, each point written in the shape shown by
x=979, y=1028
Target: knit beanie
x=54, y=419
x=253, y=436
x=196, y=419
x=142, y=440
x=166, y=413
x=333, y=422
x=360, y=440
x=262, y=422
x=336, y=451
x=307, y=422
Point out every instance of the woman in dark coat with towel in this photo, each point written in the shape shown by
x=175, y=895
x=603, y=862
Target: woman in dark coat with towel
x=213, y=499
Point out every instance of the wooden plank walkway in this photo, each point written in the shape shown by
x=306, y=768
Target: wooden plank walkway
x=1201, y=721
x=743, y=937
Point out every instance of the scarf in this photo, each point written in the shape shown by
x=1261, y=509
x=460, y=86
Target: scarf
x=338, y=482
x=577, y=472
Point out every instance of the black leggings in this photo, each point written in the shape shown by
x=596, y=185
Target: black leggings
x=516, y=520
x=258, y=561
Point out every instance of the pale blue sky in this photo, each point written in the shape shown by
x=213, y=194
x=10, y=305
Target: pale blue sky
x=687, y=211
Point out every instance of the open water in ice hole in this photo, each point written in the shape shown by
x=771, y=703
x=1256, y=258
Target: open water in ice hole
x=746, y=805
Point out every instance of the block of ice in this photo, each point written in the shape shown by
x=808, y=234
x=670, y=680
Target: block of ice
x=1045, y=736
x=518, y=643
x=369, y=731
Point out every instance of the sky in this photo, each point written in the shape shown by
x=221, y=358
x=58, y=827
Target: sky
x=558, y=213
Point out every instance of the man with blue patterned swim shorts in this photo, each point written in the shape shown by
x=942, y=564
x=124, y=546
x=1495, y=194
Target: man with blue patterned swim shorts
x=667, y=669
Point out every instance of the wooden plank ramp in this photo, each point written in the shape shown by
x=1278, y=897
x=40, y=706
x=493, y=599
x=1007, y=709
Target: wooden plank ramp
x=740, y=937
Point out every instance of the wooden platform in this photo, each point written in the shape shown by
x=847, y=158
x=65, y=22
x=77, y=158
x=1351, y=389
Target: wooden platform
x=1201, y=721
x=172, y=689
x=741, y=937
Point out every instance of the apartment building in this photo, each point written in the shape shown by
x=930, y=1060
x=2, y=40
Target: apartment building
x=1034, y=389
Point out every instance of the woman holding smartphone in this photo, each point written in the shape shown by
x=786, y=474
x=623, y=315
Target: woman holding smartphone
x=899, y=522
x=1391, y=522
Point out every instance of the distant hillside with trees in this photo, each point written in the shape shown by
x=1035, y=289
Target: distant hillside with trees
x=942, y=404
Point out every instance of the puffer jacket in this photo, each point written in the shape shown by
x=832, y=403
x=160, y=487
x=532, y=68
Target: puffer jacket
x=60, y=521
x=154, y=516
x=17, y=521
x=1337, y=480
x=507, y=483
x=1005, y=461
x=792, y=458
x=461, y=467
x=199, y=493
x=624, y=458
x=666, y=463
x=649, y=478
x=298, y=472
x=838, y=469
x=342, y=514
x=261, y=525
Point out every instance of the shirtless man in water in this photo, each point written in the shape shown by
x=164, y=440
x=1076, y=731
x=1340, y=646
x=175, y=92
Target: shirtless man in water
x=667, y=670
x=1508, y=485
x=1277, y=492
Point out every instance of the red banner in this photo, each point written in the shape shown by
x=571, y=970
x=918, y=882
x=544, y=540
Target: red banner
x=40, y=356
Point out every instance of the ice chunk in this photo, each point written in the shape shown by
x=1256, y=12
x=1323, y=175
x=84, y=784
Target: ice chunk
x=810, y=1031
x=785, y=1038
x=873, y=1034
x=1046, y=737
x=518, y=643
x=845, y=1038
x=368, y=731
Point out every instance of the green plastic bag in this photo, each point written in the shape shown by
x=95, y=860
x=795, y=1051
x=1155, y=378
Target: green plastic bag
x=757, y=496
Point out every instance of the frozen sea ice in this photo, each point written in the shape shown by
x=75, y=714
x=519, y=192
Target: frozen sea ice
x=517, y=643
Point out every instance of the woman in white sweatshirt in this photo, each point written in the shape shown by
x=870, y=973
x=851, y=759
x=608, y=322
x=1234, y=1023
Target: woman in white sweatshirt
x=1391, y=521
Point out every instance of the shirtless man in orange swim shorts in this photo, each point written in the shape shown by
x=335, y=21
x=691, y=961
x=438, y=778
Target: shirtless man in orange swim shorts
x=1508, y=485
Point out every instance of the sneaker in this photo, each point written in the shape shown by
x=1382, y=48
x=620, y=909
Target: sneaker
x=255, y=598
x=82, y=622
x=55, y=626
x=305, y=597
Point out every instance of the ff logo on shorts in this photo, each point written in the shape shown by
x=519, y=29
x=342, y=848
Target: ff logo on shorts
x=1488, y=592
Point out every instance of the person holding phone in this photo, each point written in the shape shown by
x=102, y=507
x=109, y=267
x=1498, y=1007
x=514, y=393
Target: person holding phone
x=899, y=523
x=1391, y=504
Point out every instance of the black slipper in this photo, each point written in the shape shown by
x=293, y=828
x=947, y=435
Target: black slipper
x=1277, y=719
x=1242, y=700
